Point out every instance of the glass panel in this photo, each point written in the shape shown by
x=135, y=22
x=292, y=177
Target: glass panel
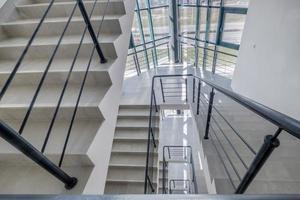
x=188, y=21
x=146, y=26
x=159, y=2
x=214, y=19
x=136, y=31
x=202, y=22
x=163, y=53
x=151, y=57
x=233, y=28
x=142, y=60
x=142, y=3
x=160, y=19
x=187, y=1
x=236, y=3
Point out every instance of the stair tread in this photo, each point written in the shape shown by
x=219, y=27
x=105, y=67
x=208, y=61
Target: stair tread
x=59, y=19
x=52, y=40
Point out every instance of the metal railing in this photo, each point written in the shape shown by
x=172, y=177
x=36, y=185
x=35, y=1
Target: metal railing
x=199, y=99
x=14, y=137
x=180, y=186
x=178, y=154
x=150, y=179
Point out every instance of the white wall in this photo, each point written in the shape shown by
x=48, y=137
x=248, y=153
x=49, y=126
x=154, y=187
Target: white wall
x=268, y=68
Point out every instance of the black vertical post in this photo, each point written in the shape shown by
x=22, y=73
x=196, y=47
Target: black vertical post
x=153, y=137
x=194, y=84
x=210, y=106
x=198, y=98
x=154, y=99
x=164, y=173
x=136, y=65
x=162, y=90
x=91, y=30
x=186, y=89
x=270, y=143
x=168, y=52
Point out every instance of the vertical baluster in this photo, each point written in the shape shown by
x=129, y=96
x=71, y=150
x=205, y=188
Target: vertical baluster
x=210, y=106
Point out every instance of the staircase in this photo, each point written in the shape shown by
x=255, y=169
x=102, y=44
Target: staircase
x=97, y=109
x=126, y=174
x=279, y=175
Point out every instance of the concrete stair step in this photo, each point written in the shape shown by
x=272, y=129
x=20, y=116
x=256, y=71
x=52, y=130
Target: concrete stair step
x=129, y=158
x=63, y=8
x=13, y=108
x=21, y=179
x=124, y=187
x=81, y=136
x=127, y=172
x=43, y=47
x=134, y=107
x=54, y=26
x=135, y=122
x=31, y=72
x=127, y=112
x=130, y=146
x=132, y=132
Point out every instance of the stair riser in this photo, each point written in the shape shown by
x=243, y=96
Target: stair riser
x=127, y=173
x=64, y=9
x=35, y=132
x=66, y=50
x=130, y=146
x=76, y=27
x=57, y=77
x=124, y=188
x=129, y=159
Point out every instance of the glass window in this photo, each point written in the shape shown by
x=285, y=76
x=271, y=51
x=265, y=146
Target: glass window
x=159, y=2
x=187, y=1
x=202, y=23
x=142, y=3
x=160, y=17
x=136, y=31
x=146, y=26
x=233, y=28
x=214, y=20
x=236, y=3
x=187, y=17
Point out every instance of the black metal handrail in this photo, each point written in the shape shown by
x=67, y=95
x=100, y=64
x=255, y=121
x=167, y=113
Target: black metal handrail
x=282, y=121
x=14, y=137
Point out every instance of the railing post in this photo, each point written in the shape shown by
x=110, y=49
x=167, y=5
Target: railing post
x=164, y=173
x=168, y=52
x=186, y=89
x=162, y=90
x=270, y=143
x=14, y=138
x=91, y=30
x=198, y=98
x=194, y=84
x=210, y=106
x=154, y=99
x=153, y=137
